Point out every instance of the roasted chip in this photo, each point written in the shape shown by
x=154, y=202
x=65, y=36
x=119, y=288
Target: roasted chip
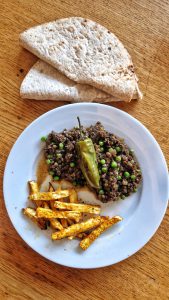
x=77, y=228
x=31, y=214
x=46, y=196
x=33, y=186
x=92, y=209
x=73, y=196
x=86, y=242
x=51, y=189
x=50, y=214
x=55, y=224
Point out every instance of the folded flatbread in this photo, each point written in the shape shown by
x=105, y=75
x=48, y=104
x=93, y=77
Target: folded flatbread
x=86, y=53
x=43, y=82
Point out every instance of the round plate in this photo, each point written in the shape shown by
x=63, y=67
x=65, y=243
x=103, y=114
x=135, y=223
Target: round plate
x=142, y=211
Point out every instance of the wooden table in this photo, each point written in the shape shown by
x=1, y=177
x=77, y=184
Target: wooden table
x=143, y=27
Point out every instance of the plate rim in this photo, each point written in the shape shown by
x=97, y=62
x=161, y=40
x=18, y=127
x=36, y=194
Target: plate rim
x=85, y=104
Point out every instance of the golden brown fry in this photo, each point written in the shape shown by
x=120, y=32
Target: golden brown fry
x=50, y=214
x=53, y=222
x=86, y=242
x=33, y=186
x=92, y=209
x=46, y=196
x=73, y=198
x=64, y=223
x=56, y=224
x=77, y=228
x=51, y=189
x=31, y=214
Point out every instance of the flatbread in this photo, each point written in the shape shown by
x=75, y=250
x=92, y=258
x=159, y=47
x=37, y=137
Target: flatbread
x=43, y=82
x=85, y=52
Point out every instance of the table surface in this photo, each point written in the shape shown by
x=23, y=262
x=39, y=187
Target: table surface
x=143, y=28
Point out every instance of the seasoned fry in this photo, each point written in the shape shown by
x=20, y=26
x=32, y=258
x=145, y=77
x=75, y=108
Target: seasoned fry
x=53, y=222
x=77, y=228
x=92, y=209
x=33, y=186
x=31, y=214
x=50, y=214
x=73, y=198
x=46, y=196
x=51, y=189
x=56, y=224
x=86, y=242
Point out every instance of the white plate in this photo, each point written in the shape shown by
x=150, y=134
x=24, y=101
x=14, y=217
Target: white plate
x=142, y=212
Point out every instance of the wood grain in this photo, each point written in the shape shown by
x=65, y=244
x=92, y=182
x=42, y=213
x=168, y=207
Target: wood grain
x=143, y=28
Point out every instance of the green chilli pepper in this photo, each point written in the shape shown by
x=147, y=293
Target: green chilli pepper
x=88, y=160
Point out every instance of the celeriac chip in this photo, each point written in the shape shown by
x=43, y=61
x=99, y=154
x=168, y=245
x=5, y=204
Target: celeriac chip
x=73, y=198
x=86, y=242
x=50, y=214
x=77, y=228
x=92, y=209
x=31, y=214
x=47, y=196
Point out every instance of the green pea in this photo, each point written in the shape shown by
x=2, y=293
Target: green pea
x=126, y=174
x=101, y=143
x=49, y=156
x=48, y=161
x=118, y=149
x=101, y=192
x=133, y=177
x=72, y=164
x=104, y=169
x=58, y=155
x=110, y=150
x=135, y=190
x=113, y=164
x=131, y=151
x=43, y=139
x=102, y=161
x=51, y=173
x=61, y=146
x=119, y=177
x=101, y=149
x=56, y=178
x=118, y=158
x=123, y=197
